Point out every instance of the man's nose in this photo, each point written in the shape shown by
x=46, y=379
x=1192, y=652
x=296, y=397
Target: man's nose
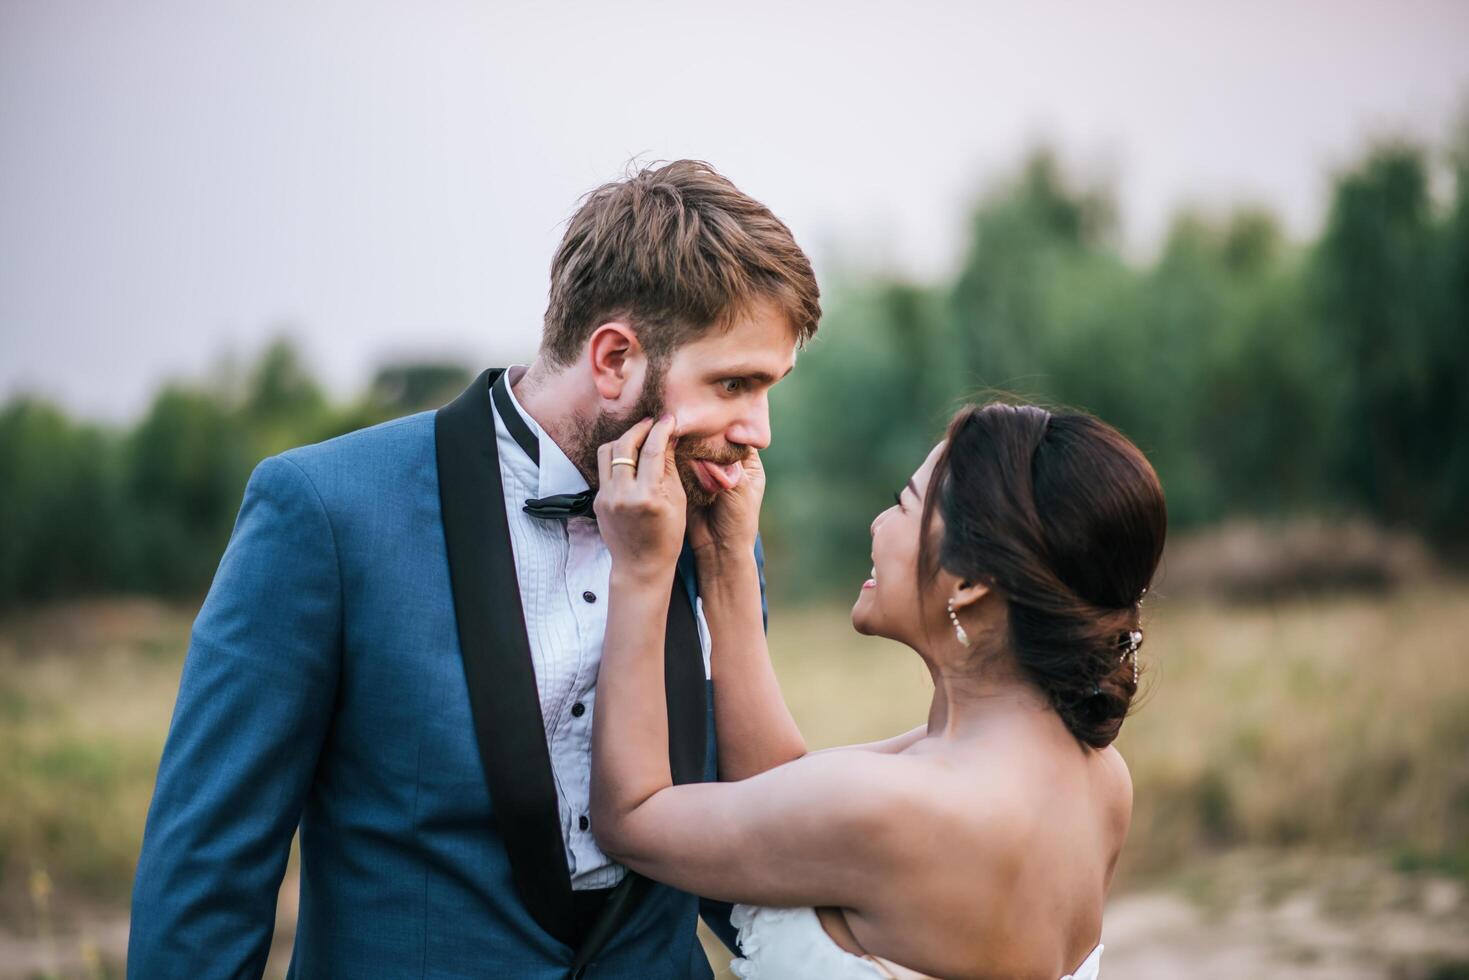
x=753, y=428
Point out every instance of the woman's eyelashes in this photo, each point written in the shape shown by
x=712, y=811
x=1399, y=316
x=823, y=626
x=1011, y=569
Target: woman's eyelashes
x=898, y=499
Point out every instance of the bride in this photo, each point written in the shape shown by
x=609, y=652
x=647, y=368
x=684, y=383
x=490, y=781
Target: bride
x=978, y=845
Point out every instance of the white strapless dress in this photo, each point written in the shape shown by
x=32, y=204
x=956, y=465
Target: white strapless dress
x=790, y=944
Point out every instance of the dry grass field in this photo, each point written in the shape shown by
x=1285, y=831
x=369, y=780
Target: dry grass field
x=1301, y=770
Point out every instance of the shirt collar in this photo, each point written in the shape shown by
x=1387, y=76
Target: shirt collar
x=557, y=472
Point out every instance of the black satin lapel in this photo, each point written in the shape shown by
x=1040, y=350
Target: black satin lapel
x=687, y=698
x=683, y=682
x=497, y=659
x=510, y=415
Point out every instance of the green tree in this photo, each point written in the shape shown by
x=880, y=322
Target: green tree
x=59, y=504
x=282, y=400
x=187, y=466
x=1384, y=276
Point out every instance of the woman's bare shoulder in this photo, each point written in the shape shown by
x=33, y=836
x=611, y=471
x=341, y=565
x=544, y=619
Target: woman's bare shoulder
x=1116, y=782
x=1012, y=803
x=887, y=746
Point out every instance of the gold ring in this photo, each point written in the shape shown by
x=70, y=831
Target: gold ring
x=625, y=461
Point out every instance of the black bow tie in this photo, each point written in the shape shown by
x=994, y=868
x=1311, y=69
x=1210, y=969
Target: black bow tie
x=558, y=506
x=561, y=506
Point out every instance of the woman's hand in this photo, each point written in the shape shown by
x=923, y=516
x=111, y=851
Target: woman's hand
x=641, y=509
x=732, y=522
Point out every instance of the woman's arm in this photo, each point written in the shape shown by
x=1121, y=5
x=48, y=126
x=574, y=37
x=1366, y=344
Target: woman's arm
x=887, y=746
x=833, y=828
x=827, y=829
x=755, y=729
x=823, y=830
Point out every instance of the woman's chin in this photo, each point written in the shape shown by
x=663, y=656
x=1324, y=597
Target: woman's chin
x=863, y=618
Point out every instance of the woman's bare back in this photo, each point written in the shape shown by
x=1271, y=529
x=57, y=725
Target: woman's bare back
x=1010, y=857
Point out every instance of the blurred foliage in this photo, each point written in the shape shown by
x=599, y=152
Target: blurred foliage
x=88, y=510
x=1263, y=377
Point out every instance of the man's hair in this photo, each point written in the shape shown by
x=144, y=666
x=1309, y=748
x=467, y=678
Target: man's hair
x=675, y=250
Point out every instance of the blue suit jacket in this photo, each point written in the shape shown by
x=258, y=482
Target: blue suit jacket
x=359, y=669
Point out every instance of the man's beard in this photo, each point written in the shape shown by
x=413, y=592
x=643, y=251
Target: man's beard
x=590, y=433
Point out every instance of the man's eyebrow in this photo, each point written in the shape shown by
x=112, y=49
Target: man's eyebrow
x=753, y=373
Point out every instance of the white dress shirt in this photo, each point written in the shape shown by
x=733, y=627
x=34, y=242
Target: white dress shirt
x=563, y=569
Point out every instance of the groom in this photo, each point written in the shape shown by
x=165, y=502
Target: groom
x=399, y=651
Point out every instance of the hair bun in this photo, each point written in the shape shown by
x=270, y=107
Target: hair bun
x=1067, y=518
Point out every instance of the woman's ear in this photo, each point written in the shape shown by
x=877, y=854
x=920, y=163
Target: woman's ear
x=968, y=593
x=616, y=359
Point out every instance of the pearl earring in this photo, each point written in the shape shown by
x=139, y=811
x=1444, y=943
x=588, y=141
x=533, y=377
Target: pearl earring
x=958, y=630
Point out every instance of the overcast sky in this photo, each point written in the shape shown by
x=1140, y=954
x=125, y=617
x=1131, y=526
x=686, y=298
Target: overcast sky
x=178, y=179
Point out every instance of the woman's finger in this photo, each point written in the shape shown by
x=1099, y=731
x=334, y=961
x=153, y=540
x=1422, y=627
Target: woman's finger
x=604, y=465
x=651, y=460
x=627, y=447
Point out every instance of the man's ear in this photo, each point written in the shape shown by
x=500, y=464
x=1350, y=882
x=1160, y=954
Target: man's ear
x=968, y=593
x=616, y=358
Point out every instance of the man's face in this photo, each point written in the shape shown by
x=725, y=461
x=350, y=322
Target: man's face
x=717, y=388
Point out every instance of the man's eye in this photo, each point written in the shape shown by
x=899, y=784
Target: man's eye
x=733, y=386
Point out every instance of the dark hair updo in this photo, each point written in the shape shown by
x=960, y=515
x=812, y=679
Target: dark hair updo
x=1064, y=517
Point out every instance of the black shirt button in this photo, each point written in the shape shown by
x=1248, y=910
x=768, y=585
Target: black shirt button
x=578, y=709
x=583, y=822
x=589, y=596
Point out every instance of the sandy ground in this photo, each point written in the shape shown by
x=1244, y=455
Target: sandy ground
x=1159, y=935
x=1245, y=917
